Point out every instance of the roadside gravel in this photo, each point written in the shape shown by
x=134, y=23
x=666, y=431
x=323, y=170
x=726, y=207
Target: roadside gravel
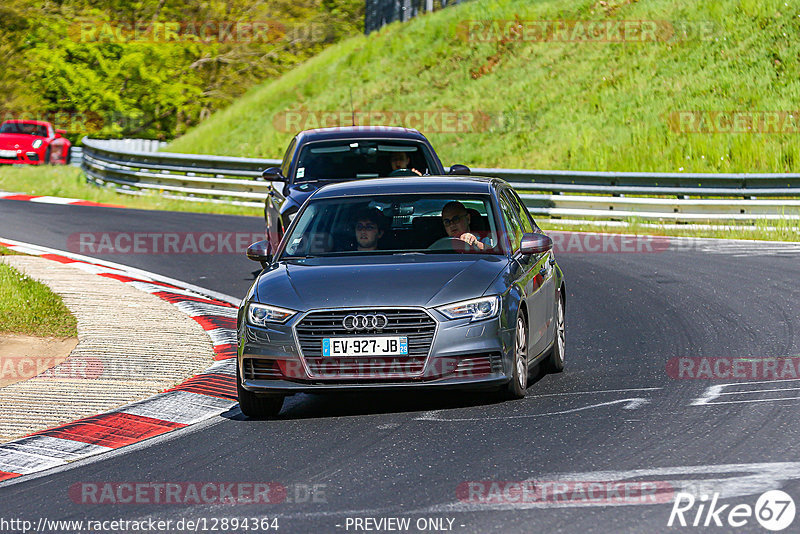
x=131, y=345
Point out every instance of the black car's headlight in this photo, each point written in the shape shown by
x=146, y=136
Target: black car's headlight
x=476, y=309
x=261, y=314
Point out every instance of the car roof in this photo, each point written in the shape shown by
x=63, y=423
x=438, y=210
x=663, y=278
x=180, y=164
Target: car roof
x=360, y=132
x=24, y=121
x=409, y=184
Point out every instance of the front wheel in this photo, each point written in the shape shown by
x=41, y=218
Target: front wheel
x=257, y=406
x=555, y=363
x=517, y=386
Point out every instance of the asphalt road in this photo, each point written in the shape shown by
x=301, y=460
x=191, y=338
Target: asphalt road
x=613, y=415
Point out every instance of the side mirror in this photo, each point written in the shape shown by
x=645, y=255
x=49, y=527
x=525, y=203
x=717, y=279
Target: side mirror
x=535, y=244
x=460, y=170
x=61, y=133
x=273, y=174
x=260, y=251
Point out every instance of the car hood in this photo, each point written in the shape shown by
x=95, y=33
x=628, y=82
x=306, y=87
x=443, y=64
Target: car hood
x=429, y=280
x=8, y=141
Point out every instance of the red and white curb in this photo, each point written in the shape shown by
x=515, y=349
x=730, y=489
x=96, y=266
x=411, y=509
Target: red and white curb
x=44, y=199
x=201, y=397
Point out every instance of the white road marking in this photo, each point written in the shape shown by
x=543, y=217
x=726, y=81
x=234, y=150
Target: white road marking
x=591, y=392
x=130, y=271
x=714, y=392
x=54, y=200
x=630, y=404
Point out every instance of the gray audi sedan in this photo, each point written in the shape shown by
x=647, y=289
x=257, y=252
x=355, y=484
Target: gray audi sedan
x=402, y=283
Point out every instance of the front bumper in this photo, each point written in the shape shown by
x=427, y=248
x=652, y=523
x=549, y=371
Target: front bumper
x=462, y=355
x=29, y=157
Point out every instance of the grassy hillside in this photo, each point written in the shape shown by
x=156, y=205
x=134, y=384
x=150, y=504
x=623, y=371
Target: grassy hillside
x=553, y=104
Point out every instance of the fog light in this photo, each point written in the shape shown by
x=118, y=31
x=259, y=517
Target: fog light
x=33, y=156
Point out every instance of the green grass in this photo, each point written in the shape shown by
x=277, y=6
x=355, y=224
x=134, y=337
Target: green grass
x=780, y=230
x=30, y=308
x=70, y=182
x=556, y=105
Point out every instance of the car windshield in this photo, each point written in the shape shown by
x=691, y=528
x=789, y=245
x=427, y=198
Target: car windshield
x=353, y=159
x=24, y=128
x=395, y=224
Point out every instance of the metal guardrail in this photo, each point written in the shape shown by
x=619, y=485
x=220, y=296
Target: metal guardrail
x=582, y=194
x=196, y=177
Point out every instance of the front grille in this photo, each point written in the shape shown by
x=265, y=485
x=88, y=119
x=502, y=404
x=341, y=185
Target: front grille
x=255, y=369
x=414, y=324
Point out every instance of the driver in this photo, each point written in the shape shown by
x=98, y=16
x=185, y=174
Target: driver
x=456, y=221
x=400, y=162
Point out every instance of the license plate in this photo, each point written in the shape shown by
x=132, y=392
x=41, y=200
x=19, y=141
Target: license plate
x=8, y=154
x=365, y=346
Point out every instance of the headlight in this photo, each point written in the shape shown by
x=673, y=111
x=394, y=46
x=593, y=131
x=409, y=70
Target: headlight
x=37, y=143
x=478, y=309
x=261, y=314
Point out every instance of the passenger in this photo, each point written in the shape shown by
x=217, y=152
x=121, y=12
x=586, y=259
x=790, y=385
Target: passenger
x=400, y=162
x=456, y=221
x=369, y=229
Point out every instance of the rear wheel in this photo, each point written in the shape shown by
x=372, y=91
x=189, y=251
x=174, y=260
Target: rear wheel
x=555, y=363
x=515, y=389
x=257, y=406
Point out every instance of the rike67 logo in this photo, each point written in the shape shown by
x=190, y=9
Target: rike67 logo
x=774, y=510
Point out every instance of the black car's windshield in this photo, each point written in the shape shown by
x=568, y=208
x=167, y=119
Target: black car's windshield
x=353, y=159
x=23, y=128
x=395, y=224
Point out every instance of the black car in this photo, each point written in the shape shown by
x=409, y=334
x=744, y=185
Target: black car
x=402, y=283
x=317, y=157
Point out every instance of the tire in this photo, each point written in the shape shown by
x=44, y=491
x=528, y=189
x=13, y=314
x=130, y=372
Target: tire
x=517, y=386
x=46, y=160
x=257, y=406
x=555, y=362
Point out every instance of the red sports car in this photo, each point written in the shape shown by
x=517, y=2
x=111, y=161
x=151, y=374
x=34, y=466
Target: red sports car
x=33, y=143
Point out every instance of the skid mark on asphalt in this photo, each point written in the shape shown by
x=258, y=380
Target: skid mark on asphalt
x=750, y=392
x=728, y=480
x=630, y=403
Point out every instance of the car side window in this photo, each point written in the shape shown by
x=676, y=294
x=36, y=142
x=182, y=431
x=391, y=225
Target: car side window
x=528, y=225
x=287, y=158
x=511, y=218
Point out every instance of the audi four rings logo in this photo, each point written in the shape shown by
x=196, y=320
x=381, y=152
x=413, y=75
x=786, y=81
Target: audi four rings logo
x=365, y=322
